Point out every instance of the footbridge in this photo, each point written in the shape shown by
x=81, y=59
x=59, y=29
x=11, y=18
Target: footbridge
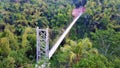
x=42, y=48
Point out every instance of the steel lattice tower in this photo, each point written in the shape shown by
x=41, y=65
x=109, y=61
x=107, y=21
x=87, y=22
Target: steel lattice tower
x=42, y=48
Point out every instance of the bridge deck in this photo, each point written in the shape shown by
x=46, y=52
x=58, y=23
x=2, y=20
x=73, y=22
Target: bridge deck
x=54, y=48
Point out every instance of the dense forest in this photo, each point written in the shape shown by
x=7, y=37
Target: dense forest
x=93, y=42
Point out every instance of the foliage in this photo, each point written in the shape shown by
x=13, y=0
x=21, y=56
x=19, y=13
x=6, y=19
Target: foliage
x=79, y=55
x=107, y=41
x=101, y=15
x=100, y=23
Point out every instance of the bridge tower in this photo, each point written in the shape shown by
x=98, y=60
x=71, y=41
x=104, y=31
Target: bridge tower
x=42, y=47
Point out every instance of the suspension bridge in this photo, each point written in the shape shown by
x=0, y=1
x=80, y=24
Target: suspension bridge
x=42, y=48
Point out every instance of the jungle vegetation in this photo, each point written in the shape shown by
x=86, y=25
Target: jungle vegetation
x=93, y=42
